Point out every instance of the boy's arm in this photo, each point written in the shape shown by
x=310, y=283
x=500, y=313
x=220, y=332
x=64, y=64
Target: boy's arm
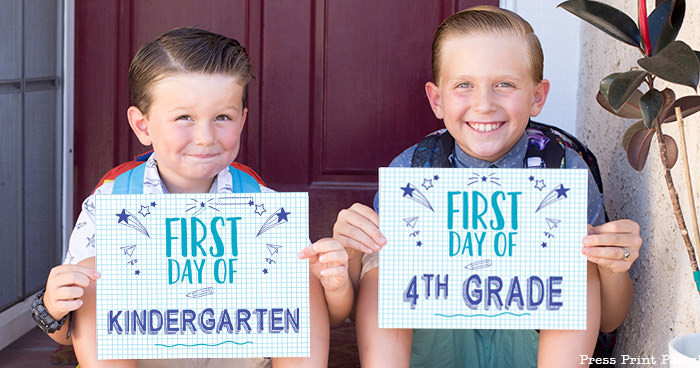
x=566, y=348
x=328, y=261
x=64, y=293
x=84, y=334
x=613, y=246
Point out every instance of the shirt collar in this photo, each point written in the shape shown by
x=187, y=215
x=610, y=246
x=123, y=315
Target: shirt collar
x=512, y=159
x=153, y=184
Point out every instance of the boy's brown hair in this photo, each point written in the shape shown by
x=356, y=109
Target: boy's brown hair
x=489, y=19
x=188, y=50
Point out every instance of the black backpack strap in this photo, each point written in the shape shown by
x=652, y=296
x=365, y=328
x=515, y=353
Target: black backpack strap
x=435, y=150
x=572, y=142
x=544, y=149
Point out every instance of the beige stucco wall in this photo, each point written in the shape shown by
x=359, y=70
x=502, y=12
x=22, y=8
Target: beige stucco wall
x=665, y=303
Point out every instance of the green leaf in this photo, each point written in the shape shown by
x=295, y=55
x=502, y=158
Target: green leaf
x=629, y=110
x=689, y=105
x=650, y=105
x=634, y=128
x=664, y=23
x=676, y=63
x=638, y=148
x=606, y=18
x=606, y=82
x=623, y=86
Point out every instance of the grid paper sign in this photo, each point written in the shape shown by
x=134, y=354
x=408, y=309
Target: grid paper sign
x=482, y=248
x=202, y=276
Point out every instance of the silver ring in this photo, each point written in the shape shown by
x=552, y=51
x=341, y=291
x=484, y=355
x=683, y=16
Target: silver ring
x=627, y=253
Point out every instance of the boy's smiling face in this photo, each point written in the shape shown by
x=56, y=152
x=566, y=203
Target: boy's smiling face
x=194, y=124
x=486, y=92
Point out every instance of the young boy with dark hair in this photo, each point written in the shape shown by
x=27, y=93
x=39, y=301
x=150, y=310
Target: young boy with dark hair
x=188, y=89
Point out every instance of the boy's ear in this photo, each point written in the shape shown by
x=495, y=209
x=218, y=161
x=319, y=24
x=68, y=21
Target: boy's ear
x=541, y=92
x=139, y=124
x=433, y=93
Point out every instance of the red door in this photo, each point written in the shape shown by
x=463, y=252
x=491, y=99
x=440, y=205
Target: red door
x=338, y=89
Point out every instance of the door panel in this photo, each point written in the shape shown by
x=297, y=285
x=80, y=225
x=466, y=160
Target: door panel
x=338, y=89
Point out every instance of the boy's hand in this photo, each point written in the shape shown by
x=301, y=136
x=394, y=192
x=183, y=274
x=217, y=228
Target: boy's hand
x=614, y=246
x=64, y=288
x=328, y=261
x=357, y=229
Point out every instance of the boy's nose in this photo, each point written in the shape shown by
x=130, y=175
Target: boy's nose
x=483, y=100
x=203, y=133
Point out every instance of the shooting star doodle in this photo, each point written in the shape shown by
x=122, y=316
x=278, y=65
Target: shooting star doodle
x=127, y=219
x=553, y=196
x=277, y=218
x=416, y=195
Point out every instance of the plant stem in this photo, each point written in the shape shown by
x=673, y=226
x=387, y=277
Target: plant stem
x=688, y=182
x=674, y=197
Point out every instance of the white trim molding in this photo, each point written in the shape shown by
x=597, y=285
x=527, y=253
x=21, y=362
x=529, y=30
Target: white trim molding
x=560, y=35
x=16, y=321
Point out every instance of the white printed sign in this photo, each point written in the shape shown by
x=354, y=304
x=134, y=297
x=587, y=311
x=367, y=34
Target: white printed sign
x=202, y=276
x=482, y=248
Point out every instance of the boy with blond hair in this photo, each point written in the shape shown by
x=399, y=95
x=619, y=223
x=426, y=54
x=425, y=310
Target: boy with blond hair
x=488, y=72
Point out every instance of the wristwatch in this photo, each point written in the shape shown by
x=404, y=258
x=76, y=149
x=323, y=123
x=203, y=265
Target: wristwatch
x=42, y=317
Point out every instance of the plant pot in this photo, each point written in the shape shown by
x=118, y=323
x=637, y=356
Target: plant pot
x=684, y=351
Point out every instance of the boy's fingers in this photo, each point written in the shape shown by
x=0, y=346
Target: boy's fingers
x=68, y=293
x=350, y=243
x=65, y=306
x=360, y=224
x=334, y=272
x=613, y=239
x=617, y=226
x=90, y=273
x=614, y=266
x=336, y=257
x=367, y=212
x=612, y=253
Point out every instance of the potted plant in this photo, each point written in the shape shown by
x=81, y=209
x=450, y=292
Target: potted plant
x=633, y=94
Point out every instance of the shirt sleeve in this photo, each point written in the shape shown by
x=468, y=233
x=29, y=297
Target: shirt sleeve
x=402, y=160
x=82, y=240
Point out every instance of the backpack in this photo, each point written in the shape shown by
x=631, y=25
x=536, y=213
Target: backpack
x=546, y=148
x=125, y=167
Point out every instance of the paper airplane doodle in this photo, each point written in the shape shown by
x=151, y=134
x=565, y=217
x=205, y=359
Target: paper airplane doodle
x=553, y=196
x=127, y=219
x=273, y=249
x=277, y=218
x=416, y=195
x=411, y=221
x=128, y=249
x=552, y=223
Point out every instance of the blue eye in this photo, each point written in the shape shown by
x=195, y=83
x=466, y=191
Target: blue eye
x=505, y=84
x=184, y=117
x=464, y=85
x=223, y=118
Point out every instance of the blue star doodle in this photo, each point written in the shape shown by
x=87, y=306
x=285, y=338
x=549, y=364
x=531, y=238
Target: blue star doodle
x=544, y=245
x=553, y=196
x=153, y=204
x=539, y=184
x=259, y=209
x=276, y=219
x=416, y=195
x=145, y=211
x=127, y=219
x=419, y=243
x=478, y=178
x=201, y=206
x=427, y=183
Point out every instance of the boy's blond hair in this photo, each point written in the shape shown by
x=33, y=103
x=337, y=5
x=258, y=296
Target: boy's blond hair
x=186, y=50
x=489, y=19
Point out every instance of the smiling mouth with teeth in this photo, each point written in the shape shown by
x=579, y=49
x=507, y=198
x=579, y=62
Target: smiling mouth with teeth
x=485, y=127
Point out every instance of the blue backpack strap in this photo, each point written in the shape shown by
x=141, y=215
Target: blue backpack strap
x=242, y=182
x=130, y=182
